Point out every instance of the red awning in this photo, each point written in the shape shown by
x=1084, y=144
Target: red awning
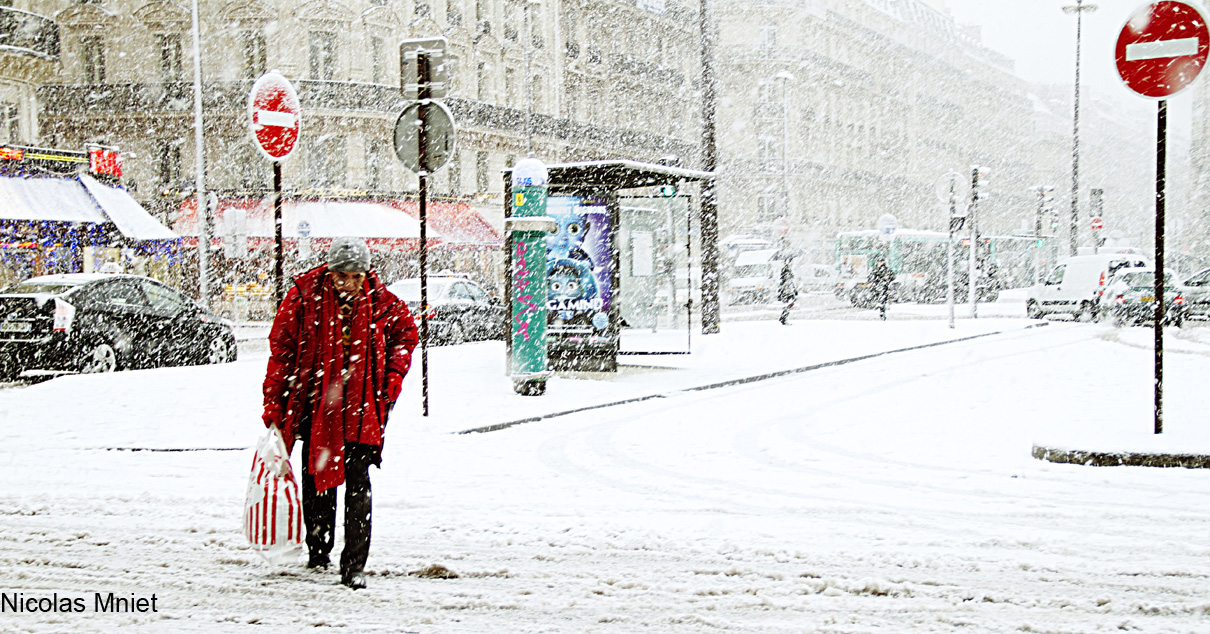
x=387, y=225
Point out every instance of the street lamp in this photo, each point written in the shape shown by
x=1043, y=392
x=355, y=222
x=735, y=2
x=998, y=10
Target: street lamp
x=1078, y=8
x=529, y=81
x=786, y=77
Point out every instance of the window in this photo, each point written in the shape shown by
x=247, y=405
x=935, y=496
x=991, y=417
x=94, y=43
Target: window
x=455, y=175
x=92, y=59
x=10, y=122
x=326, y=162
x=569, y=22
x=767, y=38
x=510, y=87
x=535, y=93
x=170, y=56
x=375, y=164
x=254, y=53
x=453, y=14
x=770, y=205
x=482, y=177
x=1056, y=276
x=481, y=81
x=162, y=298
x=376, y=69
x=168, y=161
x=483, y=16
x=422, y=9
x=121, y=293
x=512, y=20
x=323, y=55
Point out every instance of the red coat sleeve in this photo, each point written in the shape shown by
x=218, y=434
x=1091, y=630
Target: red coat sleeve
x=401, y=335
x=282, y=371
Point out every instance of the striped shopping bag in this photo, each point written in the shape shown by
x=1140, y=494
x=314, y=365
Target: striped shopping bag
x=273, y=510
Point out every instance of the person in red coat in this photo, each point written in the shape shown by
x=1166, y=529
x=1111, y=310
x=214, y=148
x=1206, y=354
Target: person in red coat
x=339, y=348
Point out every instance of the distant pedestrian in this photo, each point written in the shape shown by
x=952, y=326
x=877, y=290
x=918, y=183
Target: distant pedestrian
x=787, y=291
x=339, y=348
x=880, y=285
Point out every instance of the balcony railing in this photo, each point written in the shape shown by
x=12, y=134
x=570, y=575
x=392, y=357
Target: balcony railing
x=28, y=33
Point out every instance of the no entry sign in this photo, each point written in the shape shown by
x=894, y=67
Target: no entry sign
x=274, y=115
x=1162, y=48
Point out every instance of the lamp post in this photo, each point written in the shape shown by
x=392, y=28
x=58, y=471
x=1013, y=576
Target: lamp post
x=529, y=82
x=709, y=204
x=1078, y=8
x=786, y=77
x=203, y=231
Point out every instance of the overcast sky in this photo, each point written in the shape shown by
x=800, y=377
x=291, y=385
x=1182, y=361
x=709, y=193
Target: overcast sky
x=1040, y=38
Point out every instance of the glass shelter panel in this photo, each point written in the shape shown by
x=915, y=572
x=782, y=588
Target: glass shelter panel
x=655, y=275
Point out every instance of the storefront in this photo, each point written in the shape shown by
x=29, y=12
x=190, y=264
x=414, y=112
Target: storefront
x=242, y=242
x=56, y=217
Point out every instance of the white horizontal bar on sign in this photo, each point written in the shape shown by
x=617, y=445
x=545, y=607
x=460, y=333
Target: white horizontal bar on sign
x=275, y=118
x=1162, y=48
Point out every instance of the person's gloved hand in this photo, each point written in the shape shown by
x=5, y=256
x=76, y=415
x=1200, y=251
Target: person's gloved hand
x=394, y=386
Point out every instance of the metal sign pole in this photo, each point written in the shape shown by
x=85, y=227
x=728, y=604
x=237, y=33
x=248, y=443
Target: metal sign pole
x=971, y=268
x=1161, y=151
x=422, y=71
x=279, y=283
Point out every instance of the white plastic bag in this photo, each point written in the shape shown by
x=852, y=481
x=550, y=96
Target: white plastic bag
x=273, y=520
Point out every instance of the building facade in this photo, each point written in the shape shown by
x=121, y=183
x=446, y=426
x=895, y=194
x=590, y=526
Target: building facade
x=587, y=89
x=844, y=111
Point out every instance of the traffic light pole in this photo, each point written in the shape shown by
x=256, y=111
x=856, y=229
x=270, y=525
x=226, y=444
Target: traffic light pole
x=971, y=272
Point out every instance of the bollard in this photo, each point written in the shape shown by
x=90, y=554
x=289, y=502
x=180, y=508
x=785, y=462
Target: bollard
x=529, y=225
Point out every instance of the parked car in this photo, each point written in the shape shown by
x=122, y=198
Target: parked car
x=1196, y=291
x=1075, y=286
x=105, y=322
x=458, y=309
x=1129, y=298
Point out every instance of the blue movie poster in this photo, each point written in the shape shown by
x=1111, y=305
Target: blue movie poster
x=577, y=263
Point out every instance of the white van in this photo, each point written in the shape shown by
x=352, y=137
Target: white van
x=754, y=277
x=1074, y=287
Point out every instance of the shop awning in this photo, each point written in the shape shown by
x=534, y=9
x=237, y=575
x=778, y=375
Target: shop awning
x=51, y=199
x=126, y=213
x=456, y=224
x=81, y=199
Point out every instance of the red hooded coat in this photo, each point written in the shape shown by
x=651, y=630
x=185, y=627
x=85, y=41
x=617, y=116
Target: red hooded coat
x=306, y=360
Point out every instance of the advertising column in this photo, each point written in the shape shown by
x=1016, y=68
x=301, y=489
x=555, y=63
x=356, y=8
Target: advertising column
x=529, y=226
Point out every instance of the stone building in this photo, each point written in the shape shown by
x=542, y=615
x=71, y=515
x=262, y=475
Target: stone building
x=605, y=79
x=836, y=112
x=29, y=57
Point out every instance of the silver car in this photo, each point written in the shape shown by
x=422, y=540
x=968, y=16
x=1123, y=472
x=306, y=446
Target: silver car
x=1196, y=290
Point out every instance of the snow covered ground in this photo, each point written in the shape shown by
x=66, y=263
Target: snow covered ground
x=892, y=494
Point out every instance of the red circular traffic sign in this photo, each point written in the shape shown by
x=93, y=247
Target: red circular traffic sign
x=1097, y=224
x=274, y=115
x=1162, y=48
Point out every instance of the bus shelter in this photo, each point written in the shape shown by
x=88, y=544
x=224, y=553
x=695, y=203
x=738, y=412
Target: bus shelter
x=621, y=263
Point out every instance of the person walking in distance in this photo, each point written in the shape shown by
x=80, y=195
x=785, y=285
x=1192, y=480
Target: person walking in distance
x=787, y=291
x=339, y=348
x=880, y=285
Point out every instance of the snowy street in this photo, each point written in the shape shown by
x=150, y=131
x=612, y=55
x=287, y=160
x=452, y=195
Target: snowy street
x=891, y=494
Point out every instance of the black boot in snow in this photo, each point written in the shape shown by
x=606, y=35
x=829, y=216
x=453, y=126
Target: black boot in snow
x=354, y=580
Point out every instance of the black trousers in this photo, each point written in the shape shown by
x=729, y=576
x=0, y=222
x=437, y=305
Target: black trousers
x=319, y=509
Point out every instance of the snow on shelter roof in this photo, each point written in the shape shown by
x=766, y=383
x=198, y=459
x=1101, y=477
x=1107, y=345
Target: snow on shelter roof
x=617, y=174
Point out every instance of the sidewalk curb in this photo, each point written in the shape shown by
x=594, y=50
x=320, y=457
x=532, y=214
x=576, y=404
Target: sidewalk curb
x=734, y=382
x=1120, y=459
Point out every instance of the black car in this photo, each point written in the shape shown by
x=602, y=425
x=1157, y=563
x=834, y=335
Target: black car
x=459, y=309
x=102, y=323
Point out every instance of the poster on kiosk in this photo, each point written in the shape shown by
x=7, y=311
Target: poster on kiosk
x=579, y=275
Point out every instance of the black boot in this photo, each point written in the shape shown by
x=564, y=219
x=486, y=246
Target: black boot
x=355, y=580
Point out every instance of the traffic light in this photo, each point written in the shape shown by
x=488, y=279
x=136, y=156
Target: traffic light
x=668, y=190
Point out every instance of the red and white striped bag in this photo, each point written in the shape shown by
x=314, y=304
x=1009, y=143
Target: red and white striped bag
x=273, y=520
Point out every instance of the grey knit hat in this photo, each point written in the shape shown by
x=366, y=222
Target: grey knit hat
x=348, y=254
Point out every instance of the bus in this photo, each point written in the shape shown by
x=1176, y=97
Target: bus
x=917, y=258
